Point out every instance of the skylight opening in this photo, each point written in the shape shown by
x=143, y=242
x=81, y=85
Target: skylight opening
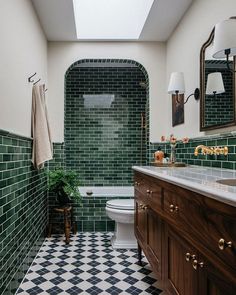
x=110, y=19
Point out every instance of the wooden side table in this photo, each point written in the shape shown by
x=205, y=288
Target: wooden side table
x=69, y=223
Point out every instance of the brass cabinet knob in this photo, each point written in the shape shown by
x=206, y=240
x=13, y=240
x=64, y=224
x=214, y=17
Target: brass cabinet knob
x=222, y=244
x=143, y=207
x=173, y=208
x=189, y=256
x=148, y=192
x=137, y=183
x=197, y=264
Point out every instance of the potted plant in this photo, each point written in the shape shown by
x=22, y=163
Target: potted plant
x=65, y=184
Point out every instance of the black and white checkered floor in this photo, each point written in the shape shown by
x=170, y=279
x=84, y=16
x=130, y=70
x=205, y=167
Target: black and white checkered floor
x=88, y=265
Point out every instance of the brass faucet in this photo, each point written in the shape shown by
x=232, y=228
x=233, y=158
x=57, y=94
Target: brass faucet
x=211, y=150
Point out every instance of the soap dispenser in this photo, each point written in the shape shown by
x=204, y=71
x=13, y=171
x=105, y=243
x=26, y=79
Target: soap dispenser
x=158, y=155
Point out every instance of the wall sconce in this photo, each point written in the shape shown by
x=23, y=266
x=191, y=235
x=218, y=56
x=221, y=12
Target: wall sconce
x=177, y=86
x=215, y=84
x=225, y=40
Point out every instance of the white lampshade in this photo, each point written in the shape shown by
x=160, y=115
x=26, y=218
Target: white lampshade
x=225, y=38
x=215, y=84
x=176, y=83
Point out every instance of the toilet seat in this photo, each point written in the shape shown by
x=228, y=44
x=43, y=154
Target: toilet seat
x=121, y=204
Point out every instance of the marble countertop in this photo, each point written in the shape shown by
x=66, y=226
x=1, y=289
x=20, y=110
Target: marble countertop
x=198, y=179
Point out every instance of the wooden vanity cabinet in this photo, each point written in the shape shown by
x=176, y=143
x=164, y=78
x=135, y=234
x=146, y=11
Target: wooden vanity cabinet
x=189, y=272
x=148, y=225
x=180, y=277
x=181, y=233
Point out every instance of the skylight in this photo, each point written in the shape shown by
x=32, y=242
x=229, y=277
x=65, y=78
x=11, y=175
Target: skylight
x=110, y=19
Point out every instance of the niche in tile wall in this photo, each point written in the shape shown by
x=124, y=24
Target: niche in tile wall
x=106, y=120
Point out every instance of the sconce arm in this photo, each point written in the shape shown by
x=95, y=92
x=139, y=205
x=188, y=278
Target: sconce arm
x=227, y=53
x=196, y=95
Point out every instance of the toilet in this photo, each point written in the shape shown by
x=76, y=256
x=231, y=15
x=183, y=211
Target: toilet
x=122, y=212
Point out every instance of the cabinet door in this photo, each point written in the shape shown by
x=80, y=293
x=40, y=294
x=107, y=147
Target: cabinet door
x=140, y=221
x=212, y=280
x=154, y=241
x=180, y=276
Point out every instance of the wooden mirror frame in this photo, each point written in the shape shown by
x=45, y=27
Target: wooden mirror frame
x=203, y=87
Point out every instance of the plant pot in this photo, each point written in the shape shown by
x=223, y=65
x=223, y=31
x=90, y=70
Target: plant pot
x=62, y=198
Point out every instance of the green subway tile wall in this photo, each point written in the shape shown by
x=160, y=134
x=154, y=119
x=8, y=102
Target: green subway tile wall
x=23, y=210
x=185, y=152
x=102, y=143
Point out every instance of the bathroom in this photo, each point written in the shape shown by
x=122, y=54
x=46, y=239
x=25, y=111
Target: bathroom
x=39, y=36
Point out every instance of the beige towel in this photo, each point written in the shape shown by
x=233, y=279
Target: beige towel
x=42, y=144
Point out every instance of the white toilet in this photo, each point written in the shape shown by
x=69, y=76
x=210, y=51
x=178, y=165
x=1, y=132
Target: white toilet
x=122, y=212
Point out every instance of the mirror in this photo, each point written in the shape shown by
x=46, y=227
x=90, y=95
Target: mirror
x=216, y=110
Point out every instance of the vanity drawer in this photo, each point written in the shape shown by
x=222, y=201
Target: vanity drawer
x=207, y=222
x=151, y=189
x=176, y=210
x=155, y=197
x=141, y=184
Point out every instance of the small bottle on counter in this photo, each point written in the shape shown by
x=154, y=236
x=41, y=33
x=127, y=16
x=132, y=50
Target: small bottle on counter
x=158, y=156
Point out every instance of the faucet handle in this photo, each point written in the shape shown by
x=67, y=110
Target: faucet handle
x=226, y=151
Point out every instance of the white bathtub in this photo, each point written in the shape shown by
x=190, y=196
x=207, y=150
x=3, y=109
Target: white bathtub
x=107, y=191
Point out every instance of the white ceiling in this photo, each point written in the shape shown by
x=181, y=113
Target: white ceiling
x=57, y=19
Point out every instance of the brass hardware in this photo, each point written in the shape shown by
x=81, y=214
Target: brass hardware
x=189, y=256
x=223, y=245
x=211, y=150
x=174, y=208
x=226, y=150
x=197, y=264
x=148, y=192
x=137, y=183
x=201, y=264
x=143, y=207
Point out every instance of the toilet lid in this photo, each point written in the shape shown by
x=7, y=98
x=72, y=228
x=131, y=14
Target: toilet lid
x=123, y=204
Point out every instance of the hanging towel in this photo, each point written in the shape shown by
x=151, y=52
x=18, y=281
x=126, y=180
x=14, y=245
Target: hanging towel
x=42, y=144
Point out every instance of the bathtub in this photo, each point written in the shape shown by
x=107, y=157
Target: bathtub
x=107, y=191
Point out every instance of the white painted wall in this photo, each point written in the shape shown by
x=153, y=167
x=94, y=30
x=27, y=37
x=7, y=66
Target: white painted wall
x=23, y=51
x=183, y=51
x=150, y=54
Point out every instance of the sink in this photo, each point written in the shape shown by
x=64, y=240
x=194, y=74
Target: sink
x=231, y=182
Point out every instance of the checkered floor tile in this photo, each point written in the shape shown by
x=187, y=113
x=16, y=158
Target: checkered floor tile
x=88, y=265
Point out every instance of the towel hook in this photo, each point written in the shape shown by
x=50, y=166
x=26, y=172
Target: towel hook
x=30, y=78
x=37, y=81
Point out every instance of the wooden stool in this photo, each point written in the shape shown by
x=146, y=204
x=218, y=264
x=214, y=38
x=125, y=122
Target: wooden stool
x=68, y=222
